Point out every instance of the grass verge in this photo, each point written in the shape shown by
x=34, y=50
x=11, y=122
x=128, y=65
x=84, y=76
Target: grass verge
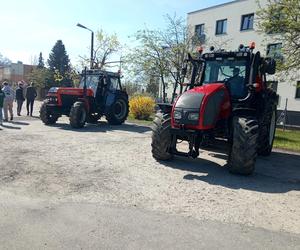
x=288, y=139
x=148, y=122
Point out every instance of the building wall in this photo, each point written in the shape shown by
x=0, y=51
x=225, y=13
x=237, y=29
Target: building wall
x=16, y=72
x=233, y=12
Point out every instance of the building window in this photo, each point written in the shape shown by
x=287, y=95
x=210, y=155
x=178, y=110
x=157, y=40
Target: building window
x=274, y=51
x=221, y=27
x=199, y=33
x=298, y=90
x=247, y=22
x=199, y=29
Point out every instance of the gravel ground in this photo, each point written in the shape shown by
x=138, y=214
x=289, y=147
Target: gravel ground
x=112, y=165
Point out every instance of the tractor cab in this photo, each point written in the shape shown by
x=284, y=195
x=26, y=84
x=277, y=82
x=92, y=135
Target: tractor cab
x=231, y=69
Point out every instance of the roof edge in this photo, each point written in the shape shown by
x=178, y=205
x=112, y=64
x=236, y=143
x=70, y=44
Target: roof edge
x=216, y=6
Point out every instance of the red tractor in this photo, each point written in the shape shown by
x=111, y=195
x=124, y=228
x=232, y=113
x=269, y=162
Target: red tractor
x=226, y=99
x=100, y=93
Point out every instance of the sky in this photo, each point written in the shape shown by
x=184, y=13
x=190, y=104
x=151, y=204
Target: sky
x=33, y=26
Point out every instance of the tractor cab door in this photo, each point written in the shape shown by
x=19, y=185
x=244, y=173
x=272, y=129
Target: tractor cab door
x=114, y=90
x=101, y=89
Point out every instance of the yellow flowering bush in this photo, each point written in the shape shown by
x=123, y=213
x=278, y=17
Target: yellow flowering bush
x=141, y=107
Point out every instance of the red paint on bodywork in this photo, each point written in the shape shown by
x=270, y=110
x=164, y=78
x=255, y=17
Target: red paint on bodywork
x=208, y=91
x=72, y=91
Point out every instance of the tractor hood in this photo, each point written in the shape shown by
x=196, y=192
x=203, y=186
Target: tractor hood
x=201, y=106
x=70, y=91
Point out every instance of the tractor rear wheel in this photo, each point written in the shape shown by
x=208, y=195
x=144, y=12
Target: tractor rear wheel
x=118, y=112
x=243, y=153
x=267, y=132
x=161, y=137
x=47, y=117
x=77, y=115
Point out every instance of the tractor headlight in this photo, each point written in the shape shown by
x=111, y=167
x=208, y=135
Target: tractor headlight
x=177, y=115
x=193, y=116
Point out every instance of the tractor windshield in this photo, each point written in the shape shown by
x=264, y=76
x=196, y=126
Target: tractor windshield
x=91, y=82
x=229, y=70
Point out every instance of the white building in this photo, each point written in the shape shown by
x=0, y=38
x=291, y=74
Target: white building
x=228, y=25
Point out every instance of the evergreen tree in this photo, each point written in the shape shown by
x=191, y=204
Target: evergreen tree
x=58, y=59
x=41, y=61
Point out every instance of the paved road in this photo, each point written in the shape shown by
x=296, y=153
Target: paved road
x=100, y=188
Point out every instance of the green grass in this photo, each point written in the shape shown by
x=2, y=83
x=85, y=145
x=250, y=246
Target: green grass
x=140, y=122
x=288, y=139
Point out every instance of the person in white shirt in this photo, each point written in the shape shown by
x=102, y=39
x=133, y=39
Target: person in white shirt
x=8, y=101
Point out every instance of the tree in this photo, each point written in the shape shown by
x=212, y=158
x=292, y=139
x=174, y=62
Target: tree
x=161, y=53
x=41, y=61
x=105, y=46
x=4, y=60
x=42, y=77
x=281, y=18
x=59, y=65
x=58, y=59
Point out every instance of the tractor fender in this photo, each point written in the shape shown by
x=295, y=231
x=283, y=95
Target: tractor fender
x=86, y=103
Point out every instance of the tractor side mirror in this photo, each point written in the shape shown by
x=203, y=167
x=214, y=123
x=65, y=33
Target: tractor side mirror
x=269, y=66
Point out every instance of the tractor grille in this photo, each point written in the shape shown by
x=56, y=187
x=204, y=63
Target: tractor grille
x=68, y=100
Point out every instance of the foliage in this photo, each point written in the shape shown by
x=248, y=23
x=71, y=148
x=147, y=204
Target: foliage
x=42, y=77
x=60, y=66
x=153, y=87
x=288, y=139
x=161, y=53
x=131, y=88
x=41, y=63
x=59, y=59
x=105, y=46
x=4, y=60
x=141, y=107
x=281, y=18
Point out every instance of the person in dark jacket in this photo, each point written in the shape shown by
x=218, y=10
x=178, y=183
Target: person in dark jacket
x=19, y=98
x=30, y=96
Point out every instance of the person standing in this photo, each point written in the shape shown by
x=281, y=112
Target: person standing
x=2, y=95
x=30, y=96
x=8, y=101
x=19, y=98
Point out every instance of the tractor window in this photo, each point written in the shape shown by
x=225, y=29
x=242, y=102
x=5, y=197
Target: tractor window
x=91, y=82
x=114, y=84
x=227, y=70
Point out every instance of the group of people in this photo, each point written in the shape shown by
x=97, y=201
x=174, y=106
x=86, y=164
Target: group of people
x=8, y=95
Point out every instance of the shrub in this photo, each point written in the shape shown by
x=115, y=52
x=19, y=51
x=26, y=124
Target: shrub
x=141, y=107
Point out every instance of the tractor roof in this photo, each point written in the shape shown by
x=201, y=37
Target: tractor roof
x=101, y=72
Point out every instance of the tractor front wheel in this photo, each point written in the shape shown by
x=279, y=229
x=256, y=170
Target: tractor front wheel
x=161, y=137
x=47, y=117
x=243, y=153
x=78, y=115
x=118, y=112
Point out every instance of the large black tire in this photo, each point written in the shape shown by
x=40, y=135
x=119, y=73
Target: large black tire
x=47, y=117
x=77, y=115
x=243, y=153
x=161, y=137
x=267, y=131
x=118, y=112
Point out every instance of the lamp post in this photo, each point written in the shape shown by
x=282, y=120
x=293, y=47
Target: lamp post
x=92, y=44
